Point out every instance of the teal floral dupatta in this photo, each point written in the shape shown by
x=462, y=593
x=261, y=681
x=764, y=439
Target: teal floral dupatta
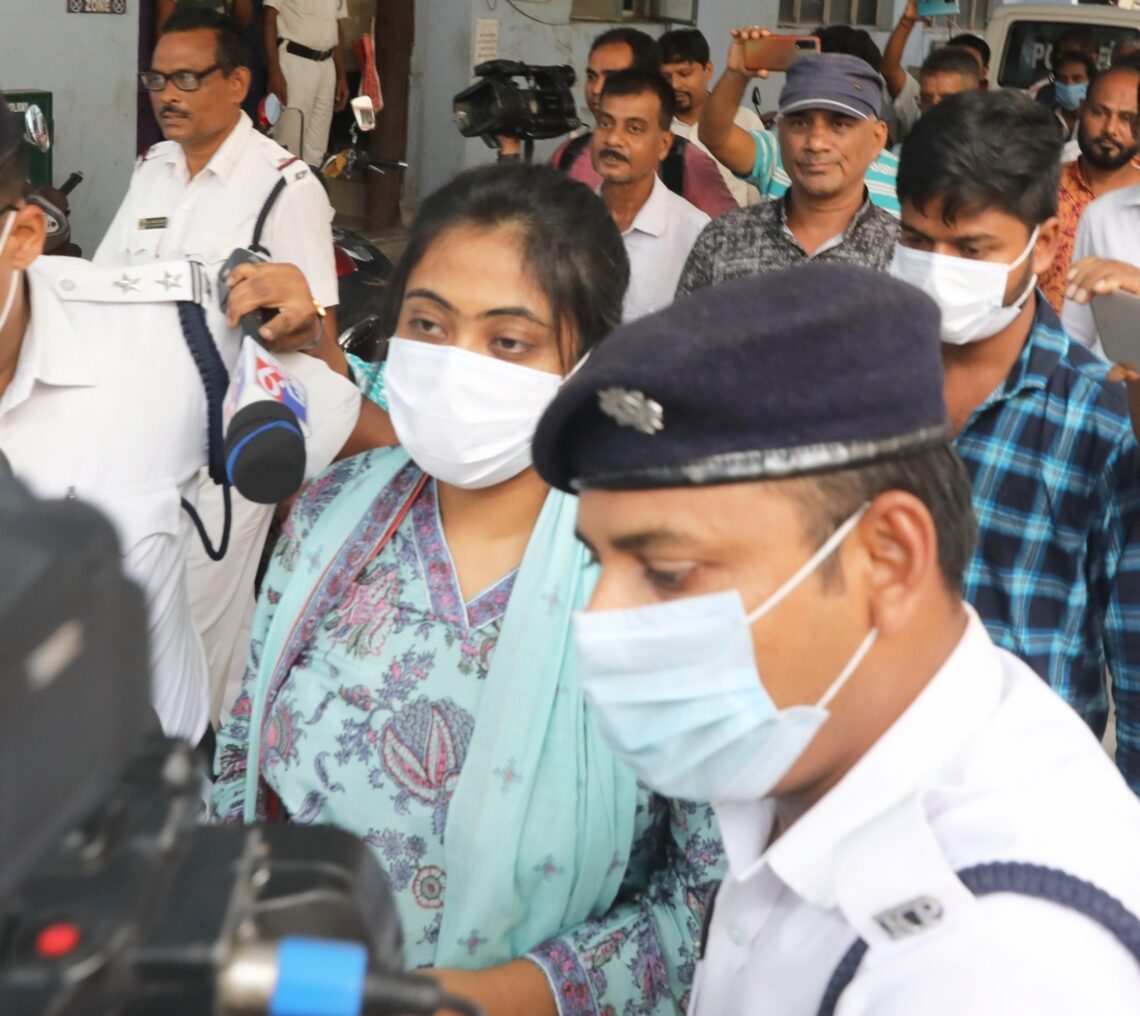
x=540, y=825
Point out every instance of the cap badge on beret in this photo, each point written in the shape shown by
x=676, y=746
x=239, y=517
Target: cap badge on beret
x=632, y=409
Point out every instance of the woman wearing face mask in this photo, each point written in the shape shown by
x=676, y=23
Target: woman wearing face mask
x=411, y=674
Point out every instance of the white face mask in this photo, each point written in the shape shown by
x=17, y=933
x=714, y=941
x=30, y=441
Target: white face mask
x=970, y=293
x=14, y=281
x=465, y=419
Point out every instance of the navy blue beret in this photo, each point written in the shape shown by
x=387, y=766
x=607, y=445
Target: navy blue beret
x=815, y=368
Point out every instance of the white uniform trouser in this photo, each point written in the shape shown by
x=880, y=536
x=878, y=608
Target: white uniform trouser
x=312, y=90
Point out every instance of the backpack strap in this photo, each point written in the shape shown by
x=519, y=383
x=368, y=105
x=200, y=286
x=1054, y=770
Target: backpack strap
x=672, y=171
x=259, y=226
x=1034, y=880
x=574, y=148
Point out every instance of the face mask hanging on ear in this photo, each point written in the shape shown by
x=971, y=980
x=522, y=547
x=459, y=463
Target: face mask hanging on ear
x=675, y=690
x=14, y=282
x=971, y=294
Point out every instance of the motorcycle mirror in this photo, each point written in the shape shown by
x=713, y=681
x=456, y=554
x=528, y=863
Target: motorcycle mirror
x=364, y=113
x=269, y=111
x=35, y=128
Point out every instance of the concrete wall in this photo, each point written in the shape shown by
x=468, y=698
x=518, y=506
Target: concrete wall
x=89, y=61
x=443, y=56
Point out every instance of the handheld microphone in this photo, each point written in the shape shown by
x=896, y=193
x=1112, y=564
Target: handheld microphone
x=264, y=411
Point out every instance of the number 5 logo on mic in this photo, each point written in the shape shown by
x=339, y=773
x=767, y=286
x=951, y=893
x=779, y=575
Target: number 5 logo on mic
x=281, y=386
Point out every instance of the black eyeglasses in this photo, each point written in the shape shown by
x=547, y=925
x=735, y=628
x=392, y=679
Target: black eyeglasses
x=184, y=81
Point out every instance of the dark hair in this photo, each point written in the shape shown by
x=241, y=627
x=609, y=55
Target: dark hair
x=974, y=42
x=979, y=150
x=635, y=82
x=684, y=45
x=1083, y=37
x=1081, y=57
x=852, y=41
x=646, y=52
x=231, y=48
x=1128, y=61
x=935, y=476
x=952, y=60
x=569, y=242
x=14, y=174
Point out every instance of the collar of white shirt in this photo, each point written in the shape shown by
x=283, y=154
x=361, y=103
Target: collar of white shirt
x=946, y=713
x=653, y=216
x=225, y=159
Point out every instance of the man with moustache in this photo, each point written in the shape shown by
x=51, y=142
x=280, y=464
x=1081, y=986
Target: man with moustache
x=198, y=195
x=688, y=68
x=688, y=171
x=1108, y=161
x=658, y=226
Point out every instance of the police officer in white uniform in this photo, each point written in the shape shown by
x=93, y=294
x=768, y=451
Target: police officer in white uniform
x=306, y=65
x=199, y=195
x=914, y=822
x=101, y=399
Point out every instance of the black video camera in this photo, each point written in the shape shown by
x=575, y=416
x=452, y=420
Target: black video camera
x=497, y=106
x=113, y=899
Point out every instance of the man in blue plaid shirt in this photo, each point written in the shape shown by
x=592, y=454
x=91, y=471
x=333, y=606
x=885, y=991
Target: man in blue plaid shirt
x=1044, y=435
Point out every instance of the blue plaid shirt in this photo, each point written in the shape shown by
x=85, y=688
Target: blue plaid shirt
x=1056, y=488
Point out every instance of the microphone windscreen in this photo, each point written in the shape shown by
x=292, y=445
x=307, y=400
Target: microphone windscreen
x=265, y=452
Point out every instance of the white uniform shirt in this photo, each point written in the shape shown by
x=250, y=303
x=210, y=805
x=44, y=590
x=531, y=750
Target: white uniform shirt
x=1109, y=228
x=106, y=405
x=658, y=242
x=312, y=23
x=165, y=214
x=743, y=191
x=987, y=764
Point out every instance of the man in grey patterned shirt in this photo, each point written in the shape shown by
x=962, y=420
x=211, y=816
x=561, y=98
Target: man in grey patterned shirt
x=830, y=132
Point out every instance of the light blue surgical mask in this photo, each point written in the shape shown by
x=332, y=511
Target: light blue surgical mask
x=675, y=690
x=1070, y=96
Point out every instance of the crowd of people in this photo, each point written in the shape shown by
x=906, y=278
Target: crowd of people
x=731, y=568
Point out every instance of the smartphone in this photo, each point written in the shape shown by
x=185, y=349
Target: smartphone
x=364, y=113
x=1117, y=317
x=937, y=8
x=776, y=52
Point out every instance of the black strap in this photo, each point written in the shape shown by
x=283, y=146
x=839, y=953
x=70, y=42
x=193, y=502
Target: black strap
x=215, y=379
x=574, y=148
x=259, y=226
x=1026, y=880
x=672, y=170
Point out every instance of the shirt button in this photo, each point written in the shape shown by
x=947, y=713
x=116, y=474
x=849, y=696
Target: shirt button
x=736, y=934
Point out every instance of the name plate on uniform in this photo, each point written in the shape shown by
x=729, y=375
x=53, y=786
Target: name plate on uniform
x=158, y=222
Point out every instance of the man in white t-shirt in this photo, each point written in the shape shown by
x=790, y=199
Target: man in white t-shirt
x=306, y=65
x=659, y=227
x=688, y=68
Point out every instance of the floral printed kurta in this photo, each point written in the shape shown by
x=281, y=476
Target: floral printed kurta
x=371, y=728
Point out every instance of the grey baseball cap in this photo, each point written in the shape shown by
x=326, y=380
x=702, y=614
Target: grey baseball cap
x=834, y=81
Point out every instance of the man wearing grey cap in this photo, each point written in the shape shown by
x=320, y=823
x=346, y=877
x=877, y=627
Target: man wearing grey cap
x=829, y=138
x=914, y=822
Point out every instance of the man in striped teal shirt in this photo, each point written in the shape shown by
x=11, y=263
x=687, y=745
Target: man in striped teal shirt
x=1045, y=437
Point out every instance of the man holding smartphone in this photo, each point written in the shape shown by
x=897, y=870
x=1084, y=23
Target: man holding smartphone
x=758, y=157
x=829, y=133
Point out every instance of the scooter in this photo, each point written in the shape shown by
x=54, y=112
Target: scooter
x=51, y=200
x=362, y=268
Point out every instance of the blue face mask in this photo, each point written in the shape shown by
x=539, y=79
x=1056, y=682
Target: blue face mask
x=675, y=690
x=1070, y=96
